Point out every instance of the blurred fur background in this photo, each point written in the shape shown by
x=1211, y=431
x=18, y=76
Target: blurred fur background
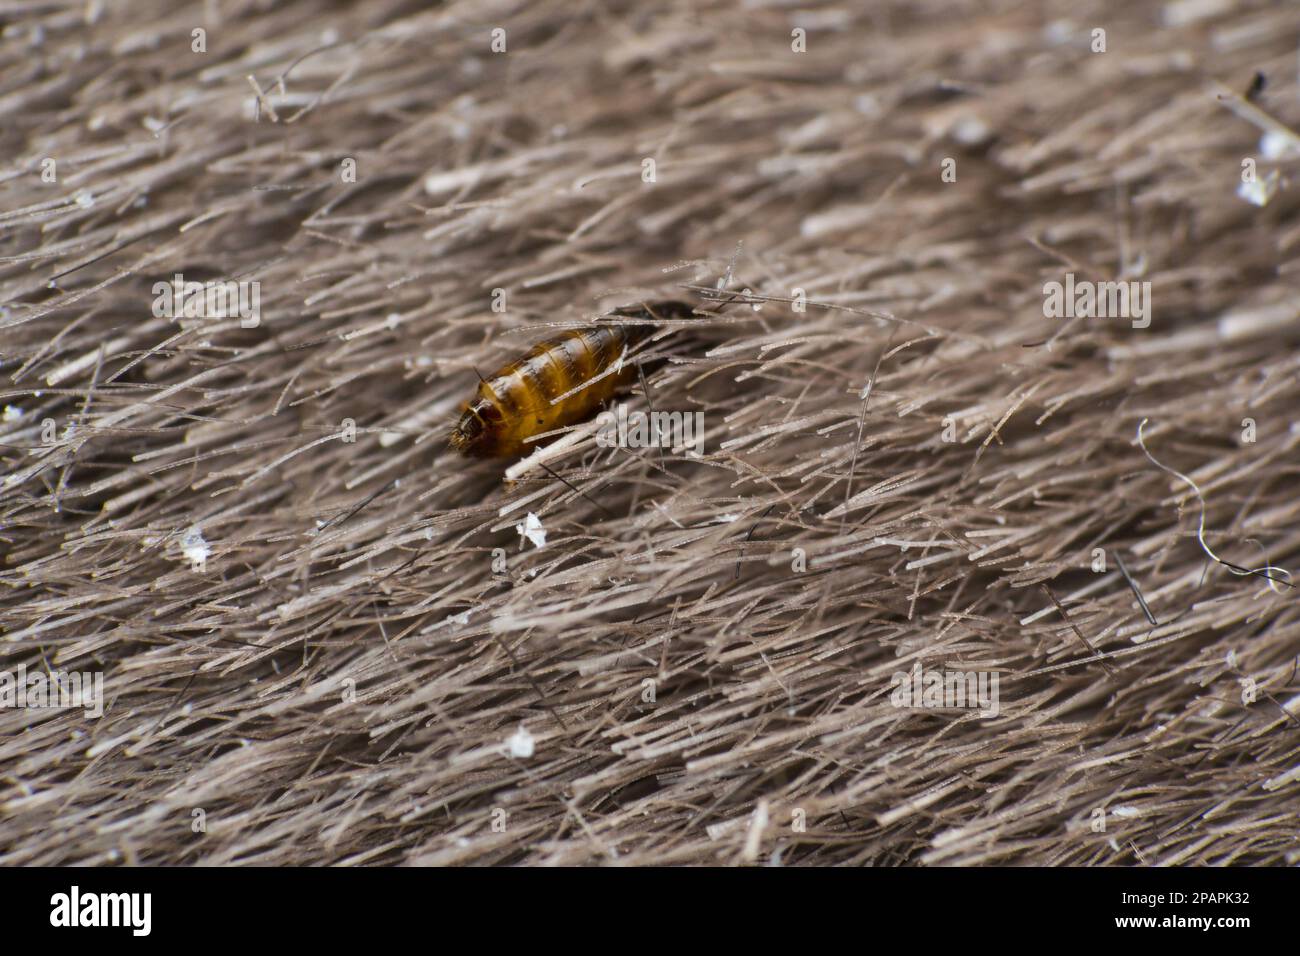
x=348, y=679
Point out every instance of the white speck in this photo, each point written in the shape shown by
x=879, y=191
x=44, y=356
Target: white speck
x=392, y=320
x=462, y=618
x=452, y=180
x=196, y=550
x=1275, y=144
x=532, y=530
x=1126, y=812
x=423, y=361
x=1136, y=268
x=153, y=125
x=84, y=199
x=12, y=413
x=971, y=131
x=521, y=743
x=868, y=105
x=1260, y=191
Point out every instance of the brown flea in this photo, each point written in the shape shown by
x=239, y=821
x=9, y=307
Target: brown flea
x=518, y=401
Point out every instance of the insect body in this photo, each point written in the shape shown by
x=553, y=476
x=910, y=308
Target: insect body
x=518, y=400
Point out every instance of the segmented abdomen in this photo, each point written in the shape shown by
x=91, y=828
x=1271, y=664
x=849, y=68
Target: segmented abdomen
x=526, y=389
x=519, y=401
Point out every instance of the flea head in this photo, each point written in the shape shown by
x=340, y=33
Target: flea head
x=474, y=434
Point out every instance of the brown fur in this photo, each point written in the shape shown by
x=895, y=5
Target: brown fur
x=701, y=653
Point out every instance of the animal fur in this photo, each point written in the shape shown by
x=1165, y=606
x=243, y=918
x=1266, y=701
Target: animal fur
x=382, y=659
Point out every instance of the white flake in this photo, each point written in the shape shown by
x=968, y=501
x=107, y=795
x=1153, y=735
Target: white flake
x=1259, y=192
x=532, y=529
x=195, y=549
x=521, y=743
